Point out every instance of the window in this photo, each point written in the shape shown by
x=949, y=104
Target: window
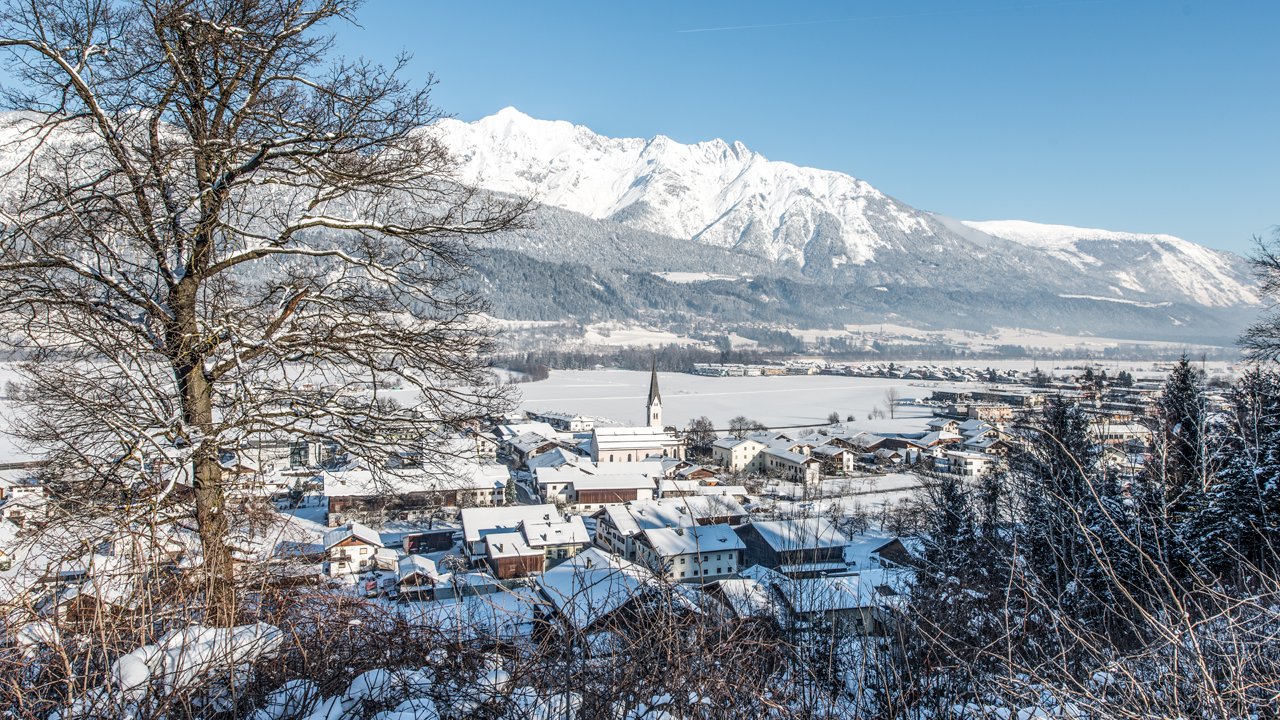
x=681, y=561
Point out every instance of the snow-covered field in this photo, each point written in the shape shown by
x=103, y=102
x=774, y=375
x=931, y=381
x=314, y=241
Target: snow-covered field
x=776, y=401
x=618, y=335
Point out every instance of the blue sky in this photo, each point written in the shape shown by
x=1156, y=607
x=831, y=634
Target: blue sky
x=1142, y=115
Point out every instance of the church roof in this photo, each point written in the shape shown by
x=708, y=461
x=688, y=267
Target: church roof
x=654, y=395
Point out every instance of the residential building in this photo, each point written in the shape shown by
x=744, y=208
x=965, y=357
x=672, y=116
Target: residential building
x=691, y=554
x=796, y=547
x=618, y=526
x=738, y=454
x=351, y=549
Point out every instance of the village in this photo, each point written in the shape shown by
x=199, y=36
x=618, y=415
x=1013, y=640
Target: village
x=555, y=517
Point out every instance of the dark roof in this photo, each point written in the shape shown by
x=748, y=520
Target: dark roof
x=654, y=395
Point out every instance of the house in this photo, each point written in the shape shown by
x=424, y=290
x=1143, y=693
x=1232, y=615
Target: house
x=943, y=424
x=351, y=549
x=524, y=448
x=628, y=444
x=561, y=484
x=565, y=422
x=409, y=493
x=691, y=554
x=618, y=526
x=797, y=547
x=962, y=463
x=592, y=492
x=594, y=591
x=835, y=459
x=738, y=454
x=523, y=532
x=417, y=577
x=845, y=605
x=793, y=466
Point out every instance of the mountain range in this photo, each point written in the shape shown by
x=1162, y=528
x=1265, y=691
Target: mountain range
x=613, y=209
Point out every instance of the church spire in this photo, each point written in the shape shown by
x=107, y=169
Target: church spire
x=654, y=404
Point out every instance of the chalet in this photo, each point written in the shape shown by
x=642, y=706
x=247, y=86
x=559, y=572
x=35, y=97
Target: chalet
x=796, y=547
x=351, y=549
x=592, y=492
x=691, y=554
x=417, y=577
x=509, y=555
x=428, y=541
x=943, y=424
x=618, y=526
x=990, y=445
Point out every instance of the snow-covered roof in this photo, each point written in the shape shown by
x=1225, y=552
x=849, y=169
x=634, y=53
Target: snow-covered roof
x=669, y=542
x=530, y=442
x=553, y=458
x=635, y=516
x=747, y=597
x=631, y=437
x=569, y=473
x=788, y=456
x=729, y=443
x=352, y=530
x=612, y=482
x=825, y=594
x=410, y=565
x=592, y=584
x=508, y=544
x=456, y=475
x=800, y=533
x=480, y=521
x=570, y=532
x=514, y=430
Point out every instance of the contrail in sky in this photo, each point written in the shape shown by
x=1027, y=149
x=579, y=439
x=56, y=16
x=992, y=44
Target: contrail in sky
x=957, y=11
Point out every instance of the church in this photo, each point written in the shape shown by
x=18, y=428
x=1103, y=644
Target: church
x=629, y=444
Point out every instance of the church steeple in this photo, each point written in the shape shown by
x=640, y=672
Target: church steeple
x=654, y=404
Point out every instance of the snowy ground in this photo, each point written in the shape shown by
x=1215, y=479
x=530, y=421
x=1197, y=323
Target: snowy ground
x=619, y=335
x=775, y=401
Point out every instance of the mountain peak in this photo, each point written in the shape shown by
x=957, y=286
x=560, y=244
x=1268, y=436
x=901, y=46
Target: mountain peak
x=824, y=224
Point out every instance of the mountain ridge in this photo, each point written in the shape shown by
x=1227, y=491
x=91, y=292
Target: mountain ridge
x=822, y=224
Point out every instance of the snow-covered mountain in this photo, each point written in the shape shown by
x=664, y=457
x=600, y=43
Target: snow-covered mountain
x=1137, y=262
x=825, y=225
x=714, y=192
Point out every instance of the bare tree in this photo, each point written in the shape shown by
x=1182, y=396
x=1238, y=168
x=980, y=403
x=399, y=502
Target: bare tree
x=740, y=426
x=212, y=233
x=891, y=398
x=1262, y=340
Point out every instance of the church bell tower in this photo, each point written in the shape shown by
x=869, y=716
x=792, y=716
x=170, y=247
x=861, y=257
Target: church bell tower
x=654, y=405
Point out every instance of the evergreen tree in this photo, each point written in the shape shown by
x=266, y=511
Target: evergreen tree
x=1069, y=520
x=1181, y=465
x=1241, y=519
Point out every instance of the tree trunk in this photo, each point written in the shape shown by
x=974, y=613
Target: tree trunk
x=217, y=572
